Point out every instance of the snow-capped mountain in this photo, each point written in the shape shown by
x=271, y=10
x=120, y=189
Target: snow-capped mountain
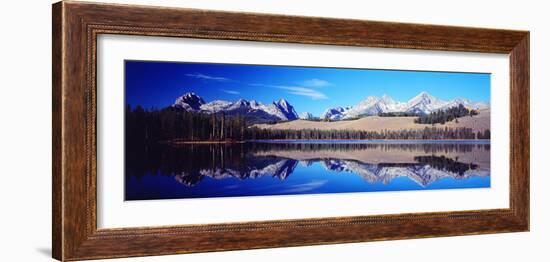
x=423, y=103
x=189, y=102
x=255, y=111
x=281, y=110
x=335, y=113
x=468, y=104
x=306, y=116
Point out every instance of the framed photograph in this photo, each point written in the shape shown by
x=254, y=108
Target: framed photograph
x=182, y=130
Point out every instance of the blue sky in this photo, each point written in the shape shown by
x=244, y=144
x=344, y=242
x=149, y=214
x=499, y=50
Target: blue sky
x=309, y=89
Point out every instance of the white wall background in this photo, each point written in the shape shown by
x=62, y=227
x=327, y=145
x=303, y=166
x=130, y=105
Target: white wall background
x=25, y=132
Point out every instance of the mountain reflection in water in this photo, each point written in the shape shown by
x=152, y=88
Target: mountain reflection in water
x=251, y=169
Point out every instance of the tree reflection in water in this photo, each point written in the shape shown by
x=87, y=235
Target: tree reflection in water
x=189, y=164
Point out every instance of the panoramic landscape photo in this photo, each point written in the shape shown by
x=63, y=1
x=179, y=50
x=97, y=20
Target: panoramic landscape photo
x=200, y=130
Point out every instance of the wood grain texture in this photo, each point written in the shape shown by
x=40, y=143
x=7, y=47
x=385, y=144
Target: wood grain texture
x=76, y=26
x=57, y=192
x=519, y=129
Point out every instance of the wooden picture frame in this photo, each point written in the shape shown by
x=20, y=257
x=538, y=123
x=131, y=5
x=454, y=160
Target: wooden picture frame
x=76, y=26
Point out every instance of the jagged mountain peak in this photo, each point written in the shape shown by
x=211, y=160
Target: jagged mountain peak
x=306, y=116
x=254, y=110
x=282, y=102
x=423, y=97
x=189, y=101
x=283, y=110
x=334, y=113
x=423, y=103
x=191, y=95
x=388, y=99
x=424, y=94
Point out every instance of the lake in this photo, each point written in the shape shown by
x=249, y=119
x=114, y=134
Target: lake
x=263, y=168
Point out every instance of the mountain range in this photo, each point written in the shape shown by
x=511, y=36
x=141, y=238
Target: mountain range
x=423, y=103
x=282, y=110
x=255, y=111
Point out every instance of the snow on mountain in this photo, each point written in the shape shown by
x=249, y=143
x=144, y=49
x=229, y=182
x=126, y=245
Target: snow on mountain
x=373, y=105
x=468, y=104
x=335, y=113
x=306, y=116
x=216, y=106
x=189, y=102
x=387, y=104
x=369, y=106
x=255, y=111
x=281, y=110
x=423, y=103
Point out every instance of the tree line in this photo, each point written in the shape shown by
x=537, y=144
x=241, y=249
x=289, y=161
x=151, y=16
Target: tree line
x=431, y=133
x=443, y=116
x=173, y=125
x=397, y=114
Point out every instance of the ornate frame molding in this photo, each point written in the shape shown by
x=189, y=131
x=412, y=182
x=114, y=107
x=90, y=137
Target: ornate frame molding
x=76, y=26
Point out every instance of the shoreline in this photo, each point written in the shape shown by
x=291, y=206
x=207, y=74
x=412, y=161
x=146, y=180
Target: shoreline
x=367, y=140
x=339, y=141
x=377, y=141
x=200, y=142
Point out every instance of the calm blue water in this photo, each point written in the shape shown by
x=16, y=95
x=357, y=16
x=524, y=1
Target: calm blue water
x=305, y=167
